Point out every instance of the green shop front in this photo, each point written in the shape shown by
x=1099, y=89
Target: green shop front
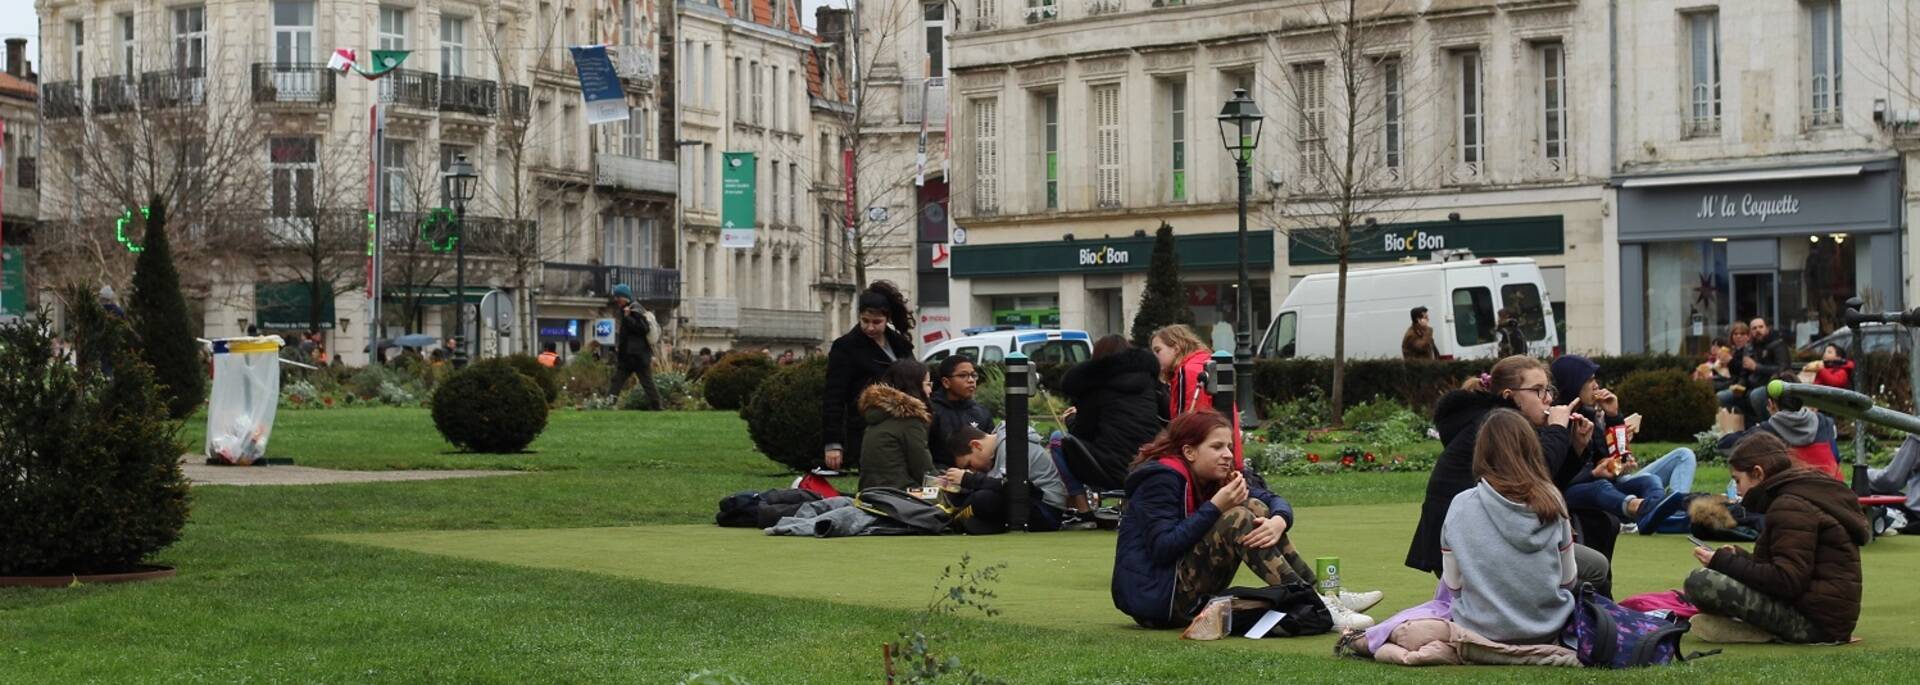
x=1095, y=284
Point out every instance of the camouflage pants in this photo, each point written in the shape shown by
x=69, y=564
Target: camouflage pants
x=1210, y=566
x=1719, y=594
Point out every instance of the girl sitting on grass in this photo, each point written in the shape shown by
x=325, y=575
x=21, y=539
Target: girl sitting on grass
x=1507, y=544
x=1191, y=520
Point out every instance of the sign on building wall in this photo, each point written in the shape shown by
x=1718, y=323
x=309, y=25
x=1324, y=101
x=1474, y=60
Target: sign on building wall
x=599, y=84
x=1518, y=237
x=1105, y=255
x=737, y=195
x=13, y=281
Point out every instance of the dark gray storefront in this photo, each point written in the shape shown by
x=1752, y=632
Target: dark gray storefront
x=1789, y=244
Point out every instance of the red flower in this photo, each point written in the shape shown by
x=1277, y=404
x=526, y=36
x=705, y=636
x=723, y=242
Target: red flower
x=1346, y=461
x=1369, y=457
x=1313, y=458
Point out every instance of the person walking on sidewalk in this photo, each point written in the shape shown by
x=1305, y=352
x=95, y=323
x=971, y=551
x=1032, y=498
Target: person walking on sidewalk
x=633, y=346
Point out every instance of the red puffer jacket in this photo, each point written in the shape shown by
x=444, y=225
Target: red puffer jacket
x=1187, y=391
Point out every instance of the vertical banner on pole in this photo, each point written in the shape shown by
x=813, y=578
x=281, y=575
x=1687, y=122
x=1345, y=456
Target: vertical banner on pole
x=847, y=179
x=737, y=194
x=376, y=206
x=599, y=84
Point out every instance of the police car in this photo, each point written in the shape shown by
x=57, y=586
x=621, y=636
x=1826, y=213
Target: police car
x=992, y=344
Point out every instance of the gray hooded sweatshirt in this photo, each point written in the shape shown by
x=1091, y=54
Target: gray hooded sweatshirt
x=1512, y=575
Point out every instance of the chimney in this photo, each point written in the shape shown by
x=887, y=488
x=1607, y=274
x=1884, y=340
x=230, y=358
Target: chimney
x=17, y=57
x=831, y=23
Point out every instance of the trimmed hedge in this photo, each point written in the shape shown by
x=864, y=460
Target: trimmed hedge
x=1673, y=406
x=734, y=378
x=784, y=414
x=1416, y=384
x=489, y=407
x=534, y=371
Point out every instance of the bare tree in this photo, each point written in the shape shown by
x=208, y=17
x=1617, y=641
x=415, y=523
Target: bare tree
x=1350, y=111
x=180, y=133
x=409, y=256
x=317, y=235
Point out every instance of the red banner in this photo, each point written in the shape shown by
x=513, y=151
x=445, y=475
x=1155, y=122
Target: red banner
x=846, y=179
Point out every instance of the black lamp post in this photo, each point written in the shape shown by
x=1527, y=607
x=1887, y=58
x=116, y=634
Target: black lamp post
x=460, y=182
x=1240, y=134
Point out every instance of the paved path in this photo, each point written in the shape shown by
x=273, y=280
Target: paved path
x=199, y=473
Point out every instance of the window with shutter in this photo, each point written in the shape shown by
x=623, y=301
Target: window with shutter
x=1310, y=111
x=986, y=156
x=1553, y=104
x=1106, y=104
x=1472, y=111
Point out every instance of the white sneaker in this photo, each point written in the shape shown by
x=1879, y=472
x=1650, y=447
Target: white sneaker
x=1361, y=601
x=1344, y=618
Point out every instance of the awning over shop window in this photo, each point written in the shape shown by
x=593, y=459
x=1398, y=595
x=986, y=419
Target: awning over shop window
x=286, y=306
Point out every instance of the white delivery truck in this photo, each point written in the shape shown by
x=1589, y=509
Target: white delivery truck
x=1463, y=300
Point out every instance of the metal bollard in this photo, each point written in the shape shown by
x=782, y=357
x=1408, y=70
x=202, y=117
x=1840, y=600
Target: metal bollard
x=1019, y=390
x=1220, y=383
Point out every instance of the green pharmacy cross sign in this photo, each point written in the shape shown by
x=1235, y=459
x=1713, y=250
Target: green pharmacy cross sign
x=438, y=230
x=120, y=229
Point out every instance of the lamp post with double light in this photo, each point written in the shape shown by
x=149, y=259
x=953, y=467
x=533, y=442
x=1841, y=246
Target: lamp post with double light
x=460, y=182
x=1240, y=134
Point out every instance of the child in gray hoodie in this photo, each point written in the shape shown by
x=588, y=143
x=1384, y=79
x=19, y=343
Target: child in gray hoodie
x=1507, y=545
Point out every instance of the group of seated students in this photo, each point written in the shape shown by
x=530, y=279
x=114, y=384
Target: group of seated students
x=1521, y=509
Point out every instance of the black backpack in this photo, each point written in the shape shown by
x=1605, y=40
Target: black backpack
x=761, y=508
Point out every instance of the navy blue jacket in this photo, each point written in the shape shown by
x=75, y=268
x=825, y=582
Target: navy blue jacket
x=1155, y=532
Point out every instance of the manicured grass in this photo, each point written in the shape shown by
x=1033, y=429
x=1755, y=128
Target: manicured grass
x=633, y=585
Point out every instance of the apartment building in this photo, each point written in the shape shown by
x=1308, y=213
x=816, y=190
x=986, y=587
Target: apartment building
x=227, y=109
x=762, y=104
x=20, y=195
x=1765, y=167
x=1476, y=127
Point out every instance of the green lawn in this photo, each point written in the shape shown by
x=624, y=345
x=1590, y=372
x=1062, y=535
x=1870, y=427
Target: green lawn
x=602, y=568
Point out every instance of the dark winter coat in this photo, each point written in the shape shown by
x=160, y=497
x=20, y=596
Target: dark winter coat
x=1808, y=554
x=894, y=447
x=1512, y=339
x=1119, y=404
x=631, y=341
x=1770, y=355
x=948, y=416
x=1164, y=518
x=853, y=363
x=1418, y=343
x=1457, y=417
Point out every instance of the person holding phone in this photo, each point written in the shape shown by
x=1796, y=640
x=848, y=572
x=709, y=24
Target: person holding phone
x=1802, y=582
x=1519, y=383
x=1641, y=497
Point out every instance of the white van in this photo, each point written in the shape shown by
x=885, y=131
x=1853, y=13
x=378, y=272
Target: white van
x=993, y=345
x=1463, y=301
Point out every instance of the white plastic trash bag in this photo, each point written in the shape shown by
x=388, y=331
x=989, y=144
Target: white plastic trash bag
x=246, y=392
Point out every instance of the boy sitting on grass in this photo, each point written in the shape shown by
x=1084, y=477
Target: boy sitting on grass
x=980, y=472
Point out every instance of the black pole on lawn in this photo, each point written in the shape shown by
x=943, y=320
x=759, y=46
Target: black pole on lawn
x=1019, y=389
x=1221, y=377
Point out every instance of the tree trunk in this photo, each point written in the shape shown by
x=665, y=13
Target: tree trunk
x=1339, y=394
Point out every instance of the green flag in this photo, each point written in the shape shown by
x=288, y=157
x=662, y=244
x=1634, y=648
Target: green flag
x=381, y=62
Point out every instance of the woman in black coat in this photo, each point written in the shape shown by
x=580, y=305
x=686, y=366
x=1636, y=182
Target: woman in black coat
x=855, y=361
x=1519, y=383
x=1117, y=405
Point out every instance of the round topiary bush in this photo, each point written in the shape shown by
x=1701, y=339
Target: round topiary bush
x=734, y=377
x=783, y=415
x=489, y=407
x=91, y=461
x=534, y=371
x=1671, y=404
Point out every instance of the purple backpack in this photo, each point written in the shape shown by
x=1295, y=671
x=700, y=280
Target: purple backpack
x=1607, y=635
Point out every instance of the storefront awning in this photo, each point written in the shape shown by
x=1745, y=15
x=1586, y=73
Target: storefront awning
x=1744, y=176
x=1108, y=255
x=286, y=306
x=1853, y=197
x=434, y=295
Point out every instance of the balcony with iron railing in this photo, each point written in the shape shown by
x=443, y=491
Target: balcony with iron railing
x=64, y=99
x=115, y=94
x=412, y=89
x=465, y=95
x=184, y=87
x=292, y=84
x=782, y=325
x=594, y=281
x=636, y=174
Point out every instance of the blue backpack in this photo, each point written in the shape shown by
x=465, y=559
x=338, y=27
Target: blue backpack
x=1607, y=635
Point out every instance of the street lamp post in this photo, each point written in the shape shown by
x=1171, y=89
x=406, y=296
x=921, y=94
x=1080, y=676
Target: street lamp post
x=460, y=181
x=1240, y=134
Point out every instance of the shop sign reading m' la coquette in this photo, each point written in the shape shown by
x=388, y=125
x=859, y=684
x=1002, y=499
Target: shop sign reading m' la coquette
x=1725, y=207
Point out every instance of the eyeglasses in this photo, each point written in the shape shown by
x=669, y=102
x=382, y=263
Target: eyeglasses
x=1544, y=391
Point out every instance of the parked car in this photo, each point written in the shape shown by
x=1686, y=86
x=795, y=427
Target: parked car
x=1042, y=345
x=1463, y=301
x=1876, y=337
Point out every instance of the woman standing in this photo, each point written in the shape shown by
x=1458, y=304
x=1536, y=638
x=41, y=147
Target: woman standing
x=855, y=360
x=1192, y=520
x=1507, y=545
x=1116, y=407
x=895, y=442
x=1517, y=383
x=1183, y=368
x=1802, y=582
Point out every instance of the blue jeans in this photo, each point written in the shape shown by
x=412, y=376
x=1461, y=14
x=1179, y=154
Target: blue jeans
x=1754, y=404
x=1074, y=486
x=1669, y=474
x=1611, y=495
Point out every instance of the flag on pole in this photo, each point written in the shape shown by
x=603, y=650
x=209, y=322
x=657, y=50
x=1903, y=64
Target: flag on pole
x=382, y=62
x=342, y=60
